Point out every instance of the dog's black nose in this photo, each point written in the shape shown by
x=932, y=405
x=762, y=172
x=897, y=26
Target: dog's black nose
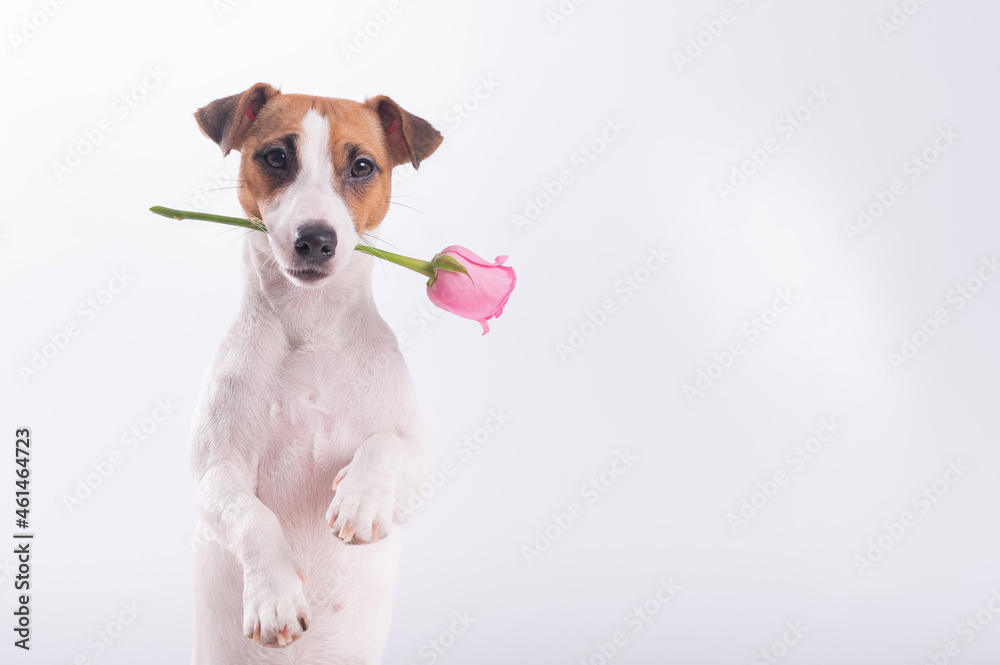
x=315, y=243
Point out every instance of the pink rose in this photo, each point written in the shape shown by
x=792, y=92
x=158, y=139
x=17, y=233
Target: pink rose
x=480, y=295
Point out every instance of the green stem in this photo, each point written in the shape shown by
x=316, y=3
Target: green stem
x=423, y=267
x=416, y=265
x=254, y=224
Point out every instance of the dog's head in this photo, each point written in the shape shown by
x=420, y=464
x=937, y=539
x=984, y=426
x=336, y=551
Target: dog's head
x=316, y=170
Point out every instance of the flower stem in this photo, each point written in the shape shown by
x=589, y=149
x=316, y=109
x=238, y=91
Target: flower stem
x=425, y=268
x=416, y=265
x=254, y=224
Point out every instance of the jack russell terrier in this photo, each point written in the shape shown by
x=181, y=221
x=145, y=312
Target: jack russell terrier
x=306, y=436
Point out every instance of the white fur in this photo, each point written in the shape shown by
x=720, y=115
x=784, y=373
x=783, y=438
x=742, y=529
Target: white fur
x=311, y=196
x=307, y=387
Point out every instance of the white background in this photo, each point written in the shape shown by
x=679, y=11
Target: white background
x=687, y=126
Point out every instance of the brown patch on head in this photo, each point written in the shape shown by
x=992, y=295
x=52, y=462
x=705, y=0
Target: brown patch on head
x=366, y=141
x=362, y=164
x=270, y=153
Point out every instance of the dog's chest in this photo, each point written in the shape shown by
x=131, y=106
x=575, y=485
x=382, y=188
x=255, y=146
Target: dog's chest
x=327, y=399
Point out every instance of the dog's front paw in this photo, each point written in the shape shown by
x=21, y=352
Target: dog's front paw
x=361, y=510
x=275, y=612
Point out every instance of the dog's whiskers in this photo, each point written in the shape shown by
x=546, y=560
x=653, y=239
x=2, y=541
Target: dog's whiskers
x=240, y=237
x=365, y=236
x=368, y=244
x=431, y=217
x=218, y=189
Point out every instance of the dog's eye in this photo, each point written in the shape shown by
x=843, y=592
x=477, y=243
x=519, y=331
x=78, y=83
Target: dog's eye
x=276, y=158
x=362, y=167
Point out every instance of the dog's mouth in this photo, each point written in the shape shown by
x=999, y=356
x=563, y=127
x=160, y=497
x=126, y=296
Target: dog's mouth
x=306, y=275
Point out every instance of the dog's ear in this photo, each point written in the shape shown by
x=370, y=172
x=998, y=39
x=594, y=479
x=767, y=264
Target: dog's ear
x=227, y=120
x=409, y=138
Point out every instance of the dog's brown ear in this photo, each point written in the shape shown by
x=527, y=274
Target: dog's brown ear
x=410, y=139
x=227, y=120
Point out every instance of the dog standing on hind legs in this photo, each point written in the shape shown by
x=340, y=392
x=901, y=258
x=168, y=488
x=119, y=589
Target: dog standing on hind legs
x=306, y=436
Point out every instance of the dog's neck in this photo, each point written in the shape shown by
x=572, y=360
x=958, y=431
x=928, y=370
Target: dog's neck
x=343, y=307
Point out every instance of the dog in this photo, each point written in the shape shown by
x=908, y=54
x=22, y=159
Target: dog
x=306, y=436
